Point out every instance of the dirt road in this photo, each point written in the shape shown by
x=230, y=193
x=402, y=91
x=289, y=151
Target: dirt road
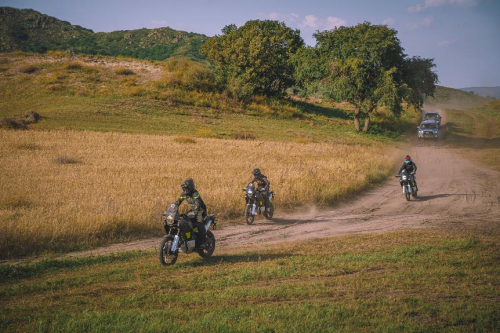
x=454, y=194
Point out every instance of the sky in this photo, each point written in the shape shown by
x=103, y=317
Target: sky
x=462, y=36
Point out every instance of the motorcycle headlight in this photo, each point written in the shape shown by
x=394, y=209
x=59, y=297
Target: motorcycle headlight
x=170, y=217
x=250, y=192
x=403, y=178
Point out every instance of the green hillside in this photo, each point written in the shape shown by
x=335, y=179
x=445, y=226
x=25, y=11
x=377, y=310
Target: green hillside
x=30, y=31
x=449, y=98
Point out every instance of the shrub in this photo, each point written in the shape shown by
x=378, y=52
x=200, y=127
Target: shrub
x=11, y=123
x=63, y=159
x=124, y=71
x=28, y=69
x=243, y=136
x=74, y=65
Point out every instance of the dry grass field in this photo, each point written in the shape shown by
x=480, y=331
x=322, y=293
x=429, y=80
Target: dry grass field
x=64, y=190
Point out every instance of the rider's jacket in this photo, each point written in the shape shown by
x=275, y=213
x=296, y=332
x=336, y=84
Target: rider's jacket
x=262, y=182
x=194, y=200
x=410, y=167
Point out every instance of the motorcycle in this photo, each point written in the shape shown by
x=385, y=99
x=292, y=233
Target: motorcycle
x=407, y=184
x=181, y=236
x=256, y=204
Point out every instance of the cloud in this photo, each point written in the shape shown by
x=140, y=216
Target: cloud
x=425, y=22
x=308, y=22
x=290, y=18
x=444, y=43
x=389, y=21
x=439, y=3
x=158, y=24
x=311, y=22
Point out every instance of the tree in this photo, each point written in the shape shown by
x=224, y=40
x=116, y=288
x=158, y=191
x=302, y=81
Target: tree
x=367, y=67
x=310, y=71
x=255, y=58
x=421, y=80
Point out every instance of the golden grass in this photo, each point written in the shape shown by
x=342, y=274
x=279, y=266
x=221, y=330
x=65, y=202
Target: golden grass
x=121, y=183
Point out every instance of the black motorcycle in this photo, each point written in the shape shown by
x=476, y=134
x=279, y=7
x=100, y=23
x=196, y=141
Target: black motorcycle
x=407, y=184
x=256, y=204
x=181, y=236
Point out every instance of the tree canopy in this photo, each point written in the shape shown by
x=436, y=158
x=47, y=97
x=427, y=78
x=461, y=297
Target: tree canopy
x=254, y=58
x=367, y=67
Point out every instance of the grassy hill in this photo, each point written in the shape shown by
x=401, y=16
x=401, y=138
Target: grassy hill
x=477, y=132
x=484, y=91
x=454, y=99
x=30, y=31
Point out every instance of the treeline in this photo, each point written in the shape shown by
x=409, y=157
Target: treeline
x=364, y=65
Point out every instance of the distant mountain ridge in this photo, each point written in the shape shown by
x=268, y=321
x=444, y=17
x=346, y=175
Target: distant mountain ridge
x=484, y=91
x=30, y=31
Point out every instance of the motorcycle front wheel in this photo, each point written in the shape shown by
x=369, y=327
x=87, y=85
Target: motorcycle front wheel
x=269, y=214
x=167, y=257
x=249, y=218
x=209, y=248
x=407, y=195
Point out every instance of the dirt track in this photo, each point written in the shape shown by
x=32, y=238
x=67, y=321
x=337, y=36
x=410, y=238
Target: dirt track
x=454, y=194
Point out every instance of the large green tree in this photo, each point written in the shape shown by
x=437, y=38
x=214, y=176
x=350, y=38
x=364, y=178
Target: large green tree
x=368, y=68
x=254, y=58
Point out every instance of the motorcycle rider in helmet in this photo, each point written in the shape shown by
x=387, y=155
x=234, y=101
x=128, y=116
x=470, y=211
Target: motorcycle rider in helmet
x=262, y=185
x=192, y=196
x=411, y=168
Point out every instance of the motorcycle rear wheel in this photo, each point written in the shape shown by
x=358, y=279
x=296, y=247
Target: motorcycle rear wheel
x=269, y=214
x=249, y=218
x=210, y=246
x=167, y=257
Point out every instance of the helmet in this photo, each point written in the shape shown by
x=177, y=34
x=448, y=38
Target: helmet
x=407, y=159
x=188, y=184
x=256, y=172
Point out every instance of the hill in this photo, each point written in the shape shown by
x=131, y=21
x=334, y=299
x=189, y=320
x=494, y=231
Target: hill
x=30, y=31
x=484, y=91
x=450, y=98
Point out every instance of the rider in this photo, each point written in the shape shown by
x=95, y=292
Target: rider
x=411, y=168
x=192, y=196
x=262, y=185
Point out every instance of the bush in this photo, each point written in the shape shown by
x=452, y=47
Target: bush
x=28, y=69
x=243, y=136
x=74, y=65
x=124, y=71
x=11, y=123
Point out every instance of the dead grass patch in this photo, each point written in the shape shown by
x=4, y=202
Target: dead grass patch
x=134, y=177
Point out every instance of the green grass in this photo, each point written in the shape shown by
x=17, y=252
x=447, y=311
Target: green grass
x=477, y=130
x=413, y=281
